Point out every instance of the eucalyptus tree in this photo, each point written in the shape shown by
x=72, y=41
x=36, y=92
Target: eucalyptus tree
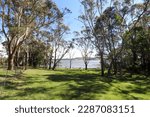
x=108, y=24
x=99, y=16
x=71, y=55
x=92, y=9
x=20, y=19
x=37, y=51
x=60, y=46
x=137, y=47
x=52, y=36
x=139, y=21
x=84, y=44
x=116, y=19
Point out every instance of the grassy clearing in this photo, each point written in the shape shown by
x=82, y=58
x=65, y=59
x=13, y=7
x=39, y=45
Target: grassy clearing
x=39, y=84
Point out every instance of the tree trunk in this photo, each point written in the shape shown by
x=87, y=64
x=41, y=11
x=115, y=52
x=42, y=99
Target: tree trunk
x=54, y=66
x=50, y=64
x=11, y=56
x=50, y=59
x=109, y=69
x=10, y=62
x=86, y=65
x=115, y=66
x=134, y=59
x=148, y=68
x=70, y=63
x=26, y=60
x=16, y=59
x=102, y=64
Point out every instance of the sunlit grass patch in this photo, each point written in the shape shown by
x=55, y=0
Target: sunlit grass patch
x=64, y=84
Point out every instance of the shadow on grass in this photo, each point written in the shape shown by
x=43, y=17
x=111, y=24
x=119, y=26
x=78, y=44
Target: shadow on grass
x=78, y=85
x=12, y=75
x=87, y=85
x=30, y=91
x=126, y=94
x=142, y=83
x=141, y=86
x=86, y=91
x=9, y=85
x=84, y=86
x=6, y=76
x=26, y=92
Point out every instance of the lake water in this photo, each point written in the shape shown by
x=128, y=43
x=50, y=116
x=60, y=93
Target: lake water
x=78, y=63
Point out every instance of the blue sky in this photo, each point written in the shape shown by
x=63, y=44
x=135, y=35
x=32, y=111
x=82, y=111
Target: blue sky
x=76, y=9
x=71, y=19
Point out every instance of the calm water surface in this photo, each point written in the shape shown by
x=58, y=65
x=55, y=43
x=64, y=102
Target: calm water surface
x=78, y=63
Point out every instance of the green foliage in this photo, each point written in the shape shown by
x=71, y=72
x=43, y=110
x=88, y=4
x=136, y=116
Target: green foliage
x=137, y=48
x=38, y=52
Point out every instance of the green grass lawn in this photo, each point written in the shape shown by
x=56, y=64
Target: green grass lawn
x=37, y=84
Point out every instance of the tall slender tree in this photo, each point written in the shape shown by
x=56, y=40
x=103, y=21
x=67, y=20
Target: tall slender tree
x=84, y=44
x=92, y=8
x=22, y=18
